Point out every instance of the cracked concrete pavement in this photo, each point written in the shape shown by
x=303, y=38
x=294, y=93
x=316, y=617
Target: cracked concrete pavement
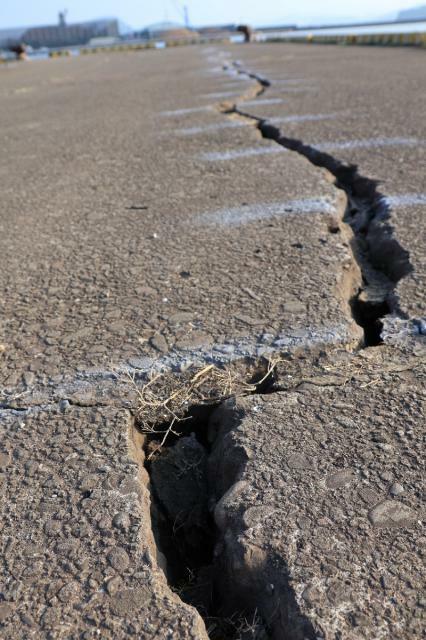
x=319, y=500
x=137, y=231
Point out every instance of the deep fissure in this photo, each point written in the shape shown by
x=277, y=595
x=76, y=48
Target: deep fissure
x=182, y=498
x=382, y=260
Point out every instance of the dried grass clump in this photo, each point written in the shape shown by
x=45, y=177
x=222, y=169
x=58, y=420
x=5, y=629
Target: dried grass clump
x=237, y=626
x=166, y=398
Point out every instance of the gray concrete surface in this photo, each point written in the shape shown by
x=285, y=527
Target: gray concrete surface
x=371, y=105
x=78, y=557
x=320, y=501
x=111, y=236
x=143, y=227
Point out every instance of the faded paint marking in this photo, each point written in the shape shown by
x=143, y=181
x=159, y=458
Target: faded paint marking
x=183, y=112
x=406, y=200
x=240, y=153
x=368, y=143
x=320, y=146
x=237, y=216
x=307, y=117
x=220, y=94
x=213, y=127
x=262, y=101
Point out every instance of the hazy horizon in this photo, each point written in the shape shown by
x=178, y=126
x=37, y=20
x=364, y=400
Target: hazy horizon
x=270, y=12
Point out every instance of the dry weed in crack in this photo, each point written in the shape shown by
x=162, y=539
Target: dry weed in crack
x=238, y=626
x=166, y=398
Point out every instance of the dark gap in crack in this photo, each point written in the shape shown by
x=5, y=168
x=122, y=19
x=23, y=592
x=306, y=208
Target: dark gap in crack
x=381, y=258
x=182, y=502
x=11, y=407
x=368, y=315
x=186, y=484
x=184, y=529
x=266, y=383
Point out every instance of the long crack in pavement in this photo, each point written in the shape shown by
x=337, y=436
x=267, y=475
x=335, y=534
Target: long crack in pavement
x=382, y=260
x=192, y=481
x=184, y=482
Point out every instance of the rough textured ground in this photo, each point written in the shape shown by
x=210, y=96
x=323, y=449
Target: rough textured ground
x=363, y=106
x=113, y=248
x=78, y=557
x=320, y=500
x=144, y=225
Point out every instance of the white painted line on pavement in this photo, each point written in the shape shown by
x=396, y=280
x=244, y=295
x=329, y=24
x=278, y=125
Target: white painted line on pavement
x=368, y=143
x=319, y=146
x=406, y=200
x=233, y=124
x=241, y=153
x=263, y=101
x=307, y=117
x=236, y=216
x=232, y=349
x=183, y=112
x=220, y=94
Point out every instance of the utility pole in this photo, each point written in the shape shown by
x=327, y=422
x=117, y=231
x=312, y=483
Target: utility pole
x=186, y=16
x=63, y=18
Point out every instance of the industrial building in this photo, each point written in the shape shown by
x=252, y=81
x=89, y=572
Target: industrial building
x=63, y=34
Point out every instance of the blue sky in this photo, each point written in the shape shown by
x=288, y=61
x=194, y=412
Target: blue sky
x=138, y=13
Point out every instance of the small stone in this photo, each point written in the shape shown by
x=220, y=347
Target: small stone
x=140, y=363
x=28, y=378
x=52, y=527
x=294, y=306
x=121, y=521
x=5, y=611
x=312, y=596
x=88, y=483
x=31, y=468
x=118, y=559
x=368, y=495
x=128, y=602
x=159, y=343
x=396, y=489
x=181, y=317
x=299, y=461
x=64, y=406
x=338, y=593
x=255, y=516
x=390, y=513
x=70, y=592
x=27, y=620
x=113, y=585
x=194, y=339
x=4, y=460
x=104, y=523
x=340, y=479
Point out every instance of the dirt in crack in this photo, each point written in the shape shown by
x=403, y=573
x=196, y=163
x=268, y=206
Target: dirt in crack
x=382, y=260
x=183, y=525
